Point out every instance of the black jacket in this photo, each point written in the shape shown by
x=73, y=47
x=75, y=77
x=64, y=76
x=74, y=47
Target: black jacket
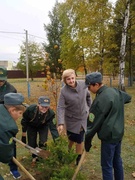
x=32, y=117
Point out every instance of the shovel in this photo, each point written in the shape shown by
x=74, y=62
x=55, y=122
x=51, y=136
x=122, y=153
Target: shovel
x=79, y=165
x=23, y=169
x=37, y=151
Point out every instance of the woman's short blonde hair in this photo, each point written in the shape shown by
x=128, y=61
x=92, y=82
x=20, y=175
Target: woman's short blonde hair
x=67, y=73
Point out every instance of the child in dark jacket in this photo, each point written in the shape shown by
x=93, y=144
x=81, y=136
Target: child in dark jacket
x=10, y=111
x=37, y=119
x=106, y=118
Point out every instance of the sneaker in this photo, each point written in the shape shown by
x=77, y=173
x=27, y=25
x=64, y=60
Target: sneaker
x=16, y=174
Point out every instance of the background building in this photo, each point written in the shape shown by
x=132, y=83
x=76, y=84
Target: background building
x=6, y=63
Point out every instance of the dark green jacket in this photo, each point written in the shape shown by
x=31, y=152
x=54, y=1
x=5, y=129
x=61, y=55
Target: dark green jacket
x=8, y=129
x=6, y=88
x=31, y=117
x=107, y=115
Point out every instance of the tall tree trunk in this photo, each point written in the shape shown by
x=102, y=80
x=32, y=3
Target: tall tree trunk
x=123, y=47
x=84, y=65
x=130, y=59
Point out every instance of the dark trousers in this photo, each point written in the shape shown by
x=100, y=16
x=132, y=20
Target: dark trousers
x=11, y=164
x=32, y=134
x=111, y=161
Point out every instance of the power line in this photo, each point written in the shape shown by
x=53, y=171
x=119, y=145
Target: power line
x=6, y=32
x=9, y=37
x=11, y=32
x=37, y=37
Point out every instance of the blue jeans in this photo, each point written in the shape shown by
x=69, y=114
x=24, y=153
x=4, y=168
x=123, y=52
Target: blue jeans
x=1, y=178
x=111, y=161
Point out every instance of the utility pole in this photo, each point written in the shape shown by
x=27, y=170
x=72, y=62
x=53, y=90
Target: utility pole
x=27, y=64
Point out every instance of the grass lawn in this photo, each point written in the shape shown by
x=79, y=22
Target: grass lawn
x=91, y=166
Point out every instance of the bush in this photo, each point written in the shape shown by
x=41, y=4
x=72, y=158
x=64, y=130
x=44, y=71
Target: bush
x=61, y=162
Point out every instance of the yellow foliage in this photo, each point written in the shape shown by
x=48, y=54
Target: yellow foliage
x=81, y=69
x=45, y=86
x=48, y=73
x=42, y=63
x=48, y=77
x=46, y=54
x=45, y=81
x=55, y=46
x=52, y=81
x=47, y=67
x=59, y=60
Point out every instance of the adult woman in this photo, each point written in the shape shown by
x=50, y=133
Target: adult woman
x=73, y=109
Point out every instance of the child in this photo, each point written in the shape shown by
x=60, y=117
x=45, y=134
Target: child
x=36, y=120
x=10, y=111
x=106, y=118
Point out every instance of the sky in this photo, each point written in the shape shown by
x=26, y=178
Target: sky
x=16, y=16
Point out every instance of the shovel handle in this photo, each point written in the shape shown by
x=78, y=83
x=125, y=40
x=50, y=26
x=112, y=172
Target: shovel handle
x=25, y=145
x=79, y=165
x=23, y=169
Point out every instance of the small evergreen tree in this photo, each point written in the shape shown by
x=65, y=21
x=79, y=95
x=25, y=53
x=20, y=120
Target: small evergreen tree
x=53, y=47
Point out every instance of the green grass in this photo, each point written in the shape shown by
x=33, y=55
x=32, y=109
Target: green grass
x=91, y=166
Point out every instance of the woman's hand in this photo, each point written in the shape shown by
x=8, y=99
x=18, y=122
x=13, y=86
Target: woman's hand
x=60, y=129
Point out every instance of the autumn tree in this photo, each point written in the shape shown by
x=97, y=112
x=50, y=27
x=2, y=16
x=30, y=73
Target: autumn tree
x=123, y=46
x=89, y=37
x=84, y=33
x=102, y=19
x=36, y=57
x=131, y=44
x=114, y=39
x=118, y=31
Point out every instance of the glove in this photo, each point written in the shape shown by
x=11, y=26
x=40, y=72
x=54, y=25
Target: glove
x=87, y=144
x=23, y=139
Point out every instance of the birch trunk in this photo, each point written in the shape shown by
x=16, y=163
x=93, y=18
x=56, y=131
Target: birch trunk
x=123, y=47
